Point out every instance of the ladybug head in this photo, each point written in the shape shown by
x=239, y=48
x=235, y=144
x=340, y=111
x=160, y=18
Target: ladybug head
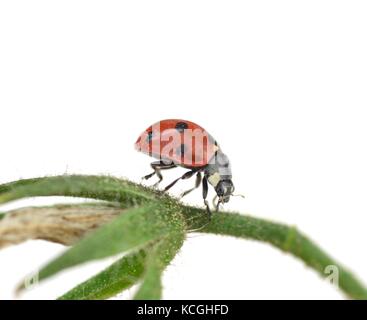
x=224, y=190
x=219, y=175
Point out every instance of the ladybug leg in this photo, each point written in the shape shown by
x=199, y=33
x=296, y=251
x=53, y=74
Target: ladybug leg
x=157, y=166
x=197, y=185
x=159, y=174
x=214, y=203
x=185, y=176
x=205, y=195
x=217, y=205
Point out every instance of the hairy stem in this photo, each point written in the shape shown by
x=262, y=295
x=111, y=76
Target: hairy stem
x=93, y=187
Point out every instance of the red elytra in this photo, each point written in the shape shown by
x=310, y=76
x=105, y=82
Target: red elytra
x=182, y=142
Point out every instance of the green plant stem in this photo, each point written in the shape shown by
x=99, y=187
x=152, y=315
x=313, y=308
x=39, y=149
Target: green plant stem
x=6, y=187
x=93, y=187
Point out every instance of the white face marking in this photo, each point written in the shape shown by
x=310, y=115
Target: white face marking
x=214, y=179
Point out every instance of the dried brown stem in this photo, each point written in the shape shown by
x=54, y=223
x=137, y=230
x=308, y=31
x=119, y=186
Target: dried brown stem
x=63, y=224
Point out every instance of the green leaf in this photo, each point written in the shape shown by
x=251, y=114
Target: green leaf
x=135, y=227
x=159, y=257
x=95, y=187
x=119, y=276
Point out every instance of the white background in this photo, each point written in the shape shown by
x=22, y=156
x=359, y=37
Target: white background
x=280, y=84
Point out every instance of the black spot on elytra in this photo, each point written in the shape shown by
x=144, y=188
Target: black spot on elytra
x=181, y=126
x=180, y=151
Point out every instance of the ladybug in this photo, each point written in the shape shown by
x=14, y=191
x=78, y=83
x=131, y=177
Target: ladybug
x=176, y=142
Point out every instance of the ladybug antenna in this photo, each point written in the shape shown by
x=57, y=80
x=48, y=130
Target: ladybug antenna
x=238, y=195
